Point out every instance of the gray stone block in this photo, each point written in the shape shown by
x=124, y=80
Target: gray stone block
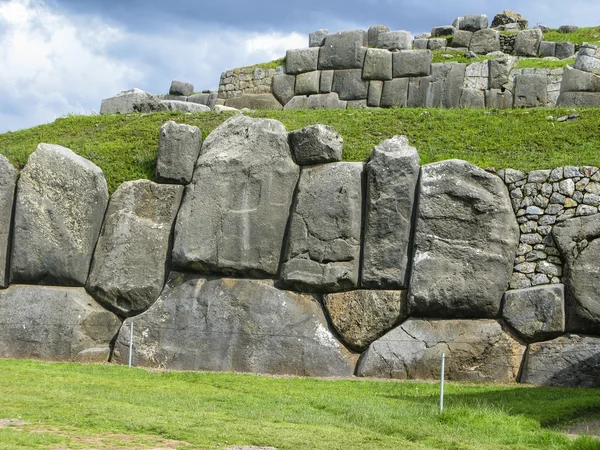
x=8, y=184
x=181, y=88
x=462, y=39
x=445, y=85
x=178, y=150
x=547, y=49
x=356, y=104
x=187, y=107
x=234, y=325
x=343, y=50
x=323, y=248
x=395, y=93
x=485, y=41
x=579, y=99
x=474, y=22
x=375, y=92
x=349, y=84
x=133, y=100
x=508, y=17
x=472, y=98
x=326, y=83
x=202, y=99
x=301, y=60
x=254, y=101
x=437, y=44
x=420, y=44
x=498, y=99
x=131, y=259
x=527, y=42
x=412, y=63
x=326, y=101
x=564, y=50
x=378, y=65
x=392, y=176
x=530, y=91
x=373, y=34
x=60, y=205
x=316, y=144
x=445, y=30
x=568, y=28
x=298, y=102
x=588, y=63
x=283, y=87
x=499, y=70
x=418, y=91
x=307, y=83
x=317, y=38
x=395, y=40
x=575, y=80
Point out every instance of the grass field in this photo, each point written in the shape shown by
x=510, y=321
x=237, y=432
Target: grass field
x=82, y=406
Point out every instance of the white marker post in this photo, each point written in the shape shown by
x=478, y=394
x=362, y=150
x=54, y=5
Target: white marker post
x=131, y=344
x=442, y=383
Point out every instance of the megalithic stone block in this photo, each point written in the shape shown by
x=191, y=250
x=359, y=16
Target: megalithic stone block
x=8, y=184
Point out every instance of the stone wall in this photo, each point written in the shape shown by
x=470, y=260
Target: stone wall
x=237, y=82
x=294, y=262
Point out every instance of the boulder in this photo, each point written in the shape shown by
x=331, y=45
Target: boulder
x=474, y=22
x=60, y=205
x=476, y=350
x=317, y=38
x=588, y=60
x=564, y=50
x=326, y=81
x=8, y=183
x=343, y=50
x=134, y=249
x=412, y=63
x=186, y=107
x=462, y=39
x=530, y=91
x=568, y=29
x=374, y=32
x=301, y=60
x=575, y=80
x=443, y=31
x=254, y=101
x=392, y=176
x=178, y=150
x=395, y=40
x=485, y=41
x=283, y=87
x=349, y=84
x=322, y=252
x=527, y=42
x=237, y=325
x=537, y=313
x=307, y=83
x=577, y=99
x=181, y=88
x=437, y=44
x=547, y=49
x=133, y=100
x=568, y=361
x=54, y=324
x=395, y=93
x=472, y=98
x=326, y=101
x=375, y=92
x=360, y=317
x=238, y=225
x=507, y=17
x=378, y=65
x=465, y=231
x=205, y=98
x=316, y=144
x=499, y=70
x=578, y=240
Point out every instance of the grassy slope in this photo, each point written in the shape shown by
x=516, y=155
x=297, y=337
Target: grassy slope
x=125, y=146
x=207, y=410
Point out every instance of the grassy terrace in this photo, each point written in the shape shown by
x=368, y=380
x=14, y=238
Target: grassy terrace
x=125, y=146
x=94, y=406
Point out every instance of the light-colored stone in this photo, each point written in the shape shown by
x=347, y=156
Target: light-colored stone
x=412, y=63
x=178, y=149
x=316, y=144
x=301, y=60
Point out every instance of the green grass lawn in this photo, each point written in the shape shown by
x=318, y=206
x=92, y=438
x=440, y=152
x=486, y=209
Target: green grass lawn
x=71, y=405
x=125, y=146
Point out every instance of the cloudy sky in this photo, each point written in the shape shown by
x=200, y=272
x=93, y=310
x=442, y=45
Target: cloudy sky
x=61, y=57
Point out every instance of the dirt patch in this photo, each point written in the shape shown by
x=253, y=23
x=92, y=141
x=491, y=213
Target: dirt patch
x=589, y=427
x=5, y=423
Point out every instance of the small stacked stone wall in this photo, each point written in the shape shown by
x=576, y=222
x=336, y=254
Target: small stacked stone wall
x=237, y=82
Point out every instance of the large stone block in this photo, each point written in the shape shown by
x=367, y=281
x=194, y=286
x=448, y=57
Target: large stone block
x=326, y=83
x=472, y=98
x=317, y=38
x=181, y=88
x=499, y=70
x=465, y=242
x=378, y=65
x=395, y=93
x=477, y=350
x=485, y=41
x=316, y=144
x=575, y=80
x=395, y=40
x=564, y=50
x=234, y=325
x=530, y=91
x=445, y=85
x=568, y=361
x=308, y=83
x=134, y=249
x=375, y=92
x=496, y=98
x=254, y=101
x=326, y=101
x=178, y=149
x=437, y=44
x=474, y=22
x=443, y=31
x=418, y=91
x=301, y=60
x=527, y=42
x=187, y=107
x=8, y=183
x=579, y=99
x=360, y=317
x=133, y=100
x=238, y=225
x=547, y=49
x=349, y=84
x=343, y=50
x=508, y=17
x=323, y=248
x=54, y=324
x=392, y=176
x=420, y=44
x=297, y=102
x=60, y=205
x=283, y=87
x=578, y=240
x=374, y=32
x=412, y=63
x=462, y=39
x=537, y=313
x=588, y=60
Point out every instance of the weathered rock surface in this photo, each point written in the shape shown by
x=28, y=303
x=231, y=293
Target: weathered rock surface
x=360, y=317
x=578, y=99
x=444, y=30
x=343, y=50
x=8, y=183
x=476, y=350
x=530, y=91
x=283, y=87
x=528, y=42
x=54, y=323
x=395, y=40
x=181, y=88
x=474, y=22
x=374, y=32
x=235, y=210
x=301, y=60
x=323, y=248
x=485, y=41
x=588, y=60
x=569, y=361
x=395, y=93
x=234, y=325
x=254, y=101
x=187, y=107
x=349, y=84
x=60, y=205
x=462, y=39
x=378, y=64
x=465, y=231
x=307, y=83
x=392, y=177
x=537, y=313
x=326, y=101
x=412, y=63
x=578, y=240
x=316, y=144
x=499, y=69
x=317, y=38
x=178, y=149
x=579, y=81
x=133, y=252
x=445, y=85
x=507, y=16
x=133, y=100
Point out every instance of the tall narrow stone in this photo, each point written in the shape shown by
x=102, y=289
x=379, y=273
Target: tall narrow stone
x=8, y=183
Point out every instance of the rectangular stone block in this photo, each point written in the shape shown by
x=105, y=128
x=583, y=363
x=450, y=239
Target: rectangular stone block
x=418, y=92
x=343, y=50
x=530, y=91
x=326, y=81
x=375, y=91
x=498, y=99
x=412, y=63
x=395, y=93
x=307, y=83
x=472, y=98
x=395, y=40
x=445, y=85
x=378, y=65
x=547, y=49
x=350, y=85
x=301, y=60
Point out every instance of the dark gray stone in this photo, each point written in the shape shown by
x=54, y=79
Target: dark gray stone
x=323, y=248
x=547, y=49
x=343, y=50
x=395, y=40
x=374, y=32
x=420, y=44
x=395, y=93
x=178, y=150
x=527, y=42
x=254, y=101
x=445, y=85
x=297, y=102
x=579, y=81
x=316, y=144
x=238, y=225
x=462, y=39
x=474, y=22
x=392, y=176
x=283, y=87
x=472, y=98
x=477, y=350
x=187, y=107
x=54, y=324
x=578, y=99
x=564, y=50
x=412, y=63
x=234, y=325
x=375, y=92
x=378, y=65
x=499, y=69
x=360, y=317
x=568, y=361
x=465, y=231
x=8, y=184
x=508, y=17
x=134, y=249
x=537, y=313
x=301, y=60
x=181, y=88
x=308, y=83
x=349, y=85
x=444, y=30
x=326, y=101
x=485, y=41
x=326, y=83
x=530, y=91
x=317, y=38
x=60, y=205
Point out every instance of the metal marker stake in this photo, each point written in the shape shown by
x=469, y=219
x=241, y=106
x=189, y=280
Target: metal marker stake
x=442, y=383
x=131, y=344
